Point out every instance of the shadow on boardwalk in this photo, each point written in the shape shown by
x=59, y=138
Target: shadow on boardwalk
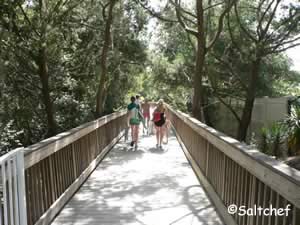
x=148, y=186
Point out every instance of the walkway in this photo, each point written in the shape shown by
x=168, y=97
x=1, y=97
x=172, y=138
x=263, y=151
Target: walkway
x=143, y=187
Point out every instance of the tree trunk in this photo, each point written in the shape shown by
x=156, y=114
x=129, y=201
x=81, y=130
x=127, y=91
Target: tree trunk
x=42, y=62
x=44, y=76
x=197, y=109
x=248, y=107
x=205, y=103
x=102, y=87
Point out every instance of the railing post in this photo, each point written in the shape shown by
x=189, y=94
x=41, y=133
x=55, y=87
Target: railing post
x=207, y=158
x=223, y=177
x=21, y=187
x=74, y=160
x=5, y=211
x=97, y=142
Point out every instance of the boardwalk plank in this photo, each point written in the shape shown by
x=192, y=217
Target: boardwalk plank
x=148, y=186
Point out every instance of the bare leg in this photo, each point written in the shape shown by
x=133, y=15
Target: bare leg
x=167, y=127
x=162, y=129
x=132, y=132
x=137, y=133
x=157, y=134
x=147, y=124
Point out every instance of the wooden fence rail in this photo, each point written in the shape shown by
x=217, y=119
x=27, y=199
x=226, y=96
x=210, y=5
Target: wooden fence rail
x=231, y=172
x=12, y=199
x=55, y=168
x=234, y=173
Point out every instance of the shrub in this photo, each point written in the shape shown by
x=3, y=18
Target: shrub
x=272, y=140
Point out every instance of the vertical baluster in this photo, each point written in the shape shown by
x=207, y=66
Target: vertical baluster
x=296, y=216
x=279, y=204
x=69, y=165
x=242, y=191
x=236, y=187
x=55, y=175
x=15, y=175
x=74, y=160
x=50, y=184
x=226, y=179
x=251, y=189
x=3, y=170
x=230, y=183
x=36, y=193
x=207, y=158
x=223, y=178
x=285, y=218
x=259, y=201
x=52, y=179
x=221, y=172
x=271, y=218
x=246, y=195
x=266, y=204
x=10, y=189
x=63, y=163
x=46, y=190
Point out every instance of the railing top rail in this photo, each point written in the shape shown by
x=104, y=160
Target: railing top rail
x=279, y=176
x=43, y=149
x=9, y=155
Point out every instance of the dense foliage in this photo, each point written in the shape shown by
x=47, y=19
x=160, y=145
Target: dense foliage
x=59, y=59
x=49, y=63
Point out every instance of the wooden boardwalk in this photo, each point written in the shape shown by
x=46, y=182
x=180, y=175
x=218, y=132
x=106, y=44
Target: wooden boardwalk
x=143, y=187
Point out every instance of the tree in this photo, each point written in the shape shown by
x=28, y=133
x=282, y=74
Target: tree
x=61, y=47
x=204, y=45
x=102, y=88
x=264, y=33
x=29, y=27
x=195, y=25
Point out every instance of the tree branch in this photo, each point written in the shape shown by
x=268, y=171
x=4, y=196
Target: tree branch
x=182, y=9
x=281, y=44
x=181, y=22
x=284, y=49
x=235, y=45
x=265, y=30
x=230, y=108
x=242, y=26
x=264, y=13
x=155, y=14
x=258, y=11
x=220, y=25
x=27, y=19
x=191, y=42
x=212, y=6
x=104, y=10
x=227, y=64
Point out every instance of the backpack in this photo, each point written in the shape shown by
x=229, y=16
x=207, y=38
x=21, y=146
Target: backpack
x=135, y=120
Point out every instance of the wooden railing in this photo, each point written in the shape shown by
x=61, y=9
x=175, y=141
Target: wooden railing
x=234, y=173
x=12, y=199
x=55, y=168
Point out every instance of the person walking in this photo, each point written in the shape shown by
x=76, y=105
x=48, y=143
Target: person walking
x=146, y=114
x=138, y=101
x=133, y=120
x=159, y=119
x=139, y=106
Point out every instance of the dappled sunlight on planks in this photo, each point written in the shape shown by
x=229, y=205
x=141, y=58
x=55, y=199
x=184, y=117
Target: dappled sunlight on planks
x=146, y=186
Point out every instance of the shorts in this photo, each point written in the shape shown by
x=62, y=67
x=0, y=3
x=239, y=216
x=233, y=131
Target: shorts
x=160, y=123
x=146, y=115
x=134, y=121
